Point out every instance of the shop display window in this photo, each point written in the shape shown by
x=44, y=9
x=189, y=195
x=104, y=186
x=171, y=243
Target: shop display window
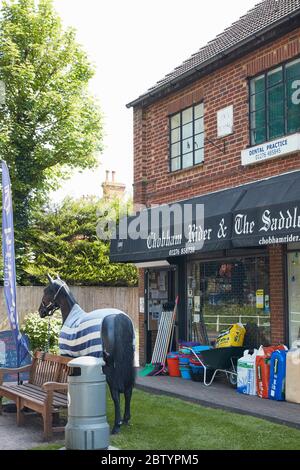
x=294, y=295
x=227, y=291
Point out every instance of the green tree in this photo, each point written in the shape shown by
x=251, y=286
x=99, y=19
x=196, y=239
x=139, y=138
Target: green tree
x=63, y=240
x=49, y=123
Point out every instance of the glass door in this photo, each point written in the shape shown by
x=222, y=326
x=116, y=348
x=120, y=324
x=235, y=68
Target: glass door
x=294, y=295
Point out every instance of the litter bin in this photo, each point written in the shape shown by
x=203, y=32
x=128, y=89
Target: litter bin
x=87, y=427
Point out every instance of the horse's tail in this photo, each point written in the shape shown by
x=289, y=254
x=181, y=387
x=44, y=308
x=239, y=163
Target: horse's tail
x=124, y=353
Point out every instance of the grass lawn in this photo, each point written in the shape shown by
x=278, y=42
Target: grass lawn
x=164, y=423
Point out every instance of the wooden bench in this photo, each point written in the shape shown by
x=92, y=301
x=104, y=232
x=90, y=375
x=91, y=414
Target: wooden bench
x=45, y=392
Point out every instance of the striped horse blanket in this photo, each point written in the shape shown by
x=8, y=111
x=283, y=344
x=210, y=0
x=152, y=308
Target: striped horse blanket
x=81, y=333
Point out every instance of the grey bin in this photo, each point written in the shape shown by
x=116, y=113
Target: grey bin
x=87, y=427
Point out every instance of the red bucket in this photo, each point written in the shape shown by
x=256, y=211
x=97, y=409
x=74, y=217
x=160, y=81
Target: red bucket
x=173, y=367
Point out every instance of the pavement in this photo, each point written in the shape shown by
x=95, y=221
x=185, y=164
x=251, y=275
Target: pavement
x=221, y=395
x=24, y=437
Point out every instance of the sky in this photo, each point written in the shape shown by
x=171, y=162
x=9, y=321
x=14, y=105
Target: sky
x=133, y=44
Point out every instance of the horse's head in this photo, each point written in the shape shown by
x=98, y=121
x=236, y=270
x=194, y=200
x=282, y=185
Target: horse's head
x=50, y=302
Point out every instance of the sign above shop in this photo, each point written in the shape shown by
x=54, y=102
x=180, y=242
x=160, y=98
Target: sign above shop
x=225, y=121
x=262, y=213
x=269, y=150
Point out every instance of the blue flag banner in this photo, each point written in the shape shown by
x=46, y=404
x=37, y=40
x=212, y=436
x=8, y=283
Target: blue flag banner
x=8, y=251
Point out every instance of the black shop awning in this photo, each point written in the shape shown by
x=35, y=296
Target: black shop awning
x=268, y=213
x=256, y=214
x=183, y=236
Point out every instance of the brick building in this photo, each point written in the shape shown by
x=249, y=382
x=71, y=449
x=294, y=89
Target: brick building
x=223, y=131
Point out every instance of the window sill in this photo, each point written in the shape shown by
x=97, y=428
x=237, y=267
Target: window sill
x=186, y=170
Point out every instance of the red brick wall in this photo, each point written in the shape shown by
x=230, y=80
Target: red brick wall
x=277, y=297
x=153, y=183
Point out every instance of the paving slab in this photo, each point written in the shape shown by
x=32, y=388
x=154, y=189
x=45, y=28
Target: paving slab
x=222, y=395
x=24, y=437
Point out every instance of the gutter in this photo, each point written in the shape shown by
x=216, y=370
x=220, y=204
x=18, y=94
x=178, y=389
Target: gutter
x=180, y=81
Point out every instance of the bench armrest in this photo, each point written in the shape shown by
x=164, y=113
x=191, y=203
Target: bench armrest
x=17, y=370
x=55, y=386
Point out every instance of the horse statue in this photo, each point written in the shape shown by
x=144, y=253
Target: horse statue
x=105, y=333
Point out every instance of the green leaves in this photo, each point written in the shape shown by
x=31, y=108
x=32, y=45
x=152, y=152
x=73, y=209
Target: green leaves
x=49, y=121
x=63, y=240
x=40, y=332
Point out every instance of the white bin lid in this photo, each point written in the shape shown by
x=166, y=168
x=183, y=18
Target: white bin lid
x=90, y=369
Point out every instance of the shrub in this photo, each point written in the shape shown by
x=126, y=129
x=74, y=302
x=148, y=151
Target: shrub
x=36, y=329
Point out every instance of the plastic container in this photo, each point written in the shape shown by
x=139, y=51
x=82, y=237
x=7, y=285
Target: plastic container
x=185, y=372
x=197, y=372
x=184, y=360
x=199, y=349
x=173, y=366
x=188, y=344
x=277, y=375
x=246, y=373
x=234, y=336
x=292, y=390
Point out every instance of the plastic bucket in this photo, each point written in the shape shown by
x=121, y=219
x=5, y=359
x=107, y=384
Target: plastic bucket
x=173, y=366
x=197, y=372
x=185, y=372
x=184, y=360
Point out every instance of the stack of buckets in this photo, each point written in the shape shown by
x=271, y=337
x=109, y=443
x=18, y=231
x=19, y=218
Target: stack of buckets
x=179, y=365
x=184, y=364
x=173, y=365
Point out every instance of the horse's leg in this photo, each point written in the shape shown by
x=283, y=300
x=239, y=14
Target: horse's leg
x=127, y=394
x=116, y=399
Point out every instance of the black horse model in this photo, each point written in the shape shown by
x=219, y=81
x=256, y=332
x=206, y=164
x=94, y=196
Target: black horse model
x=106, y=333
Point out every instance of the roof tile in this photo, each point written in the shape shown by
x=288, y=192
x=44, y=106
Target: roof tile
x=262, y=15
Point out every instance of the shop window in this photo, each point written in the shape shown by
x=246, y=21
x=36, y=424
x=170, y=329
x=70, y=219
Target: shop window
x=275, y=103
x=224, y=292
x=187, y=138
x=294, y=295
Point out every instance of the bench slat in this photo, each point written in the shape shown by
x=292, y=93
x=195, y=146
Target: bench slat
x=38, y=396
x=45, y=368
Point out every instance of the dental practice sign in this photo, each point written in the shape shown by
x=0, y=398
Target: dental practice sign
x=273, y=149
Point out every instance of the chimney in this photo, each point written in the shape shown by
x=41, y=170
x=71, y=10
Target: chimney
x=112, y=189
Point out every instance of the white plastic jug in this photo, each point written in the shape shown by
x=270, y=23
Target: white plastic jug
x=292, y=391
x=246, y=376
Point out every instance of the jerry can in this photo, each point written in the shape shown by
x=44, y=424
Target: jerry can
x=233, y=336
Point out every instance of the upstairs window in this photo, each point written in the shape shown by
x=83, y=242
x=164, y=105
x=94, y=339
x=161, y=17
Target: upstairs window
x=275, y=103
x=187, y=138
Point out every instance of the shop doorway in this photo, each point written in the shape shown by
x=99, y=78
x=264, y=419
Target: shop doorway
x=227, y=291
x=294, y=295
x=160, y=288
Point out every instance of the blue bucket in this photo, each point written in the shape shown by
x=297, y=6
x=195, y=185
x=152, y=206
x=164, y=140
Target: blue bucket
x=198, y=349
x=184, y=361
x=185, y=372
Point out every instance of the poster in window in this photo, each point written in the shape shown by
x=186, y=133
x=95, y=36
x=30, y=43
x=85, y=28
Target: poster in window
x=162, y=281
x=260, y=299
x=197, y=303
